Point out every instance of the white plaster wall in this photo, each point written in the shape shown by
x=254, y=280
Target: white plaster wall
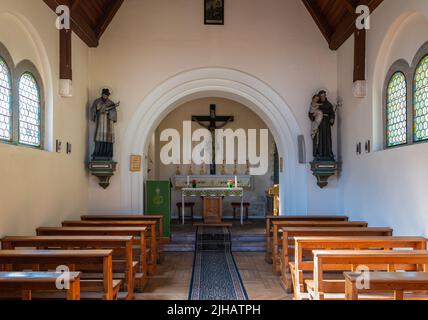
x=386, y=187
x=274, y=40
x=40, y=187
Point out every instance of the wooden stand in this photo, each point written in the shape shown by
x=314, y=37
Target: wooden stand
x=213, y=210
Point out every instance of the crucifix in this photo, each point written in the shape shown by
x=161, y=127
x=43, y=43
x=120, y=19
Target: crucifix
x=212, y=119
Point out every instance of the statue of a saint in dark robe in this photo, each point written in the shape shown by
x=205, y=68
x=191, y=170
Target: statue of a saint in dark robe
x=323, y=146
x=104, y=114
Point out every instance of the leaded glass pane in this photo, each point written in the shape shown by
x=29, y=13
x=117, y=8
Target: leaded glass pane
x=5, y=103
x=396, y=111
x=29, y=111
x=420, y=101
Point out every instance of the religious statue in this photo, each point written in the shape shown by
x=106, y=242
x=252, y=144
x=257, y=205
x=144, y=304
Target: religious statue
x=104, y=114
x=323, y=116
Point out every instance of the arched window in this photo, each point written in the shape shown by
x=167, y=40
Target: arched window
x=29, y=111
x=396, y=110
x=5, y=102
x=420, y=101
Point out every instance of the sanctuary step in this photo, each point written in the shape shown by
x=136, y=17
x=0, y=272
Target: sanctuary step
x=248, y=243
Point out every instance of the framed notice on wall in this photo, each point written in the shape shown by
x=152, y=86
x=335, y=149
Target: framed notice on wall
x=135, y=165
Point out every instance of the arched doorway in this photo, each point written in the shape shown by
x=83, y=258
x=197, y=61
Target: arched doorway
x=216, y=83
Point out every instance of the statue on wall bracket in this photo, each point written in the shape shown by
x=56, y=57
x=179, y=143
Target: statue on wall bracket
x=323, y=116
x=104, y=114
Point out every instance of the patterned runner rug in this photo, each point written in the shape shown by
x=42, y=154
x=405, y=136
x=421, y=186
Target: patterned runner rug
x=215, y=275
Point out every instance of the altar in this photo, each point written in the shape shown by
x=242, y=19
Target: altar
x=213, y=189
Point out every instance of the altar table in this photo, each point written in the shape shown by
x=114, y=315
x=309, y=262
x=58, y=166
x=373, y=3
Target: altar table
x=214, y=192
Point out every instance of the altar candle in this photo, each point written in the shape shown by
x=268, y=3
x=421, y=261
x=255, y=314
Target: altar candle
x=236, y=182
x=188, y=180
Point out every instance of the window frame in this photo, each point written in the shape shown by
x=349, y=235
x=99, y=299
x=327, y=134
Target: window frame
x=403, y=67
x=7, y=59
x=27, y=67
x=419, y=56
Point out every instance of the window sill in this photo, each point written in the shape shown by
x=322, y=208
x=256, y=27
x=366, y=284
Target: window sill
x=20, y=145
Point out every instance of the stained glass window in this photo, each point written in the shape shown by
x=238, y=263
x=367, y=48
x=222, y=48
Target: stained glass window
x=29, y=111
x=5, y=102
x=396, y=111
x=420, y=101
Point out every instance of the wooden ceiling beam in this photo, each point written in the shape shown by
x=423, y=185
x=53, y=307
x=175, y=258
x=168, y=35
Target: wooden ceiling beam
x=107, y=17
x=347, y=26
x=319, y=19
x=350, y=5
x=78, y=24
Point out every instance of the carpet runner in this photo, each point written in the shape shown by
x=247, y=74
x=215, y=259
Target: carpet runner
x=215, y=275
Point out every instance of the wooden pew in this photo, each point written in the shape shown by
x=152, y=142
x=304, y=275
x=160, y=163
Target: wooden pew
x=27, y=282
x=155, y=249
x=302, y=267
x=139, y=234
x=289, y=233
x=131, y=217
x=9, y=259
x=270, y=219
x=398, y=282
x=350, y=260
x=127, y=267
x=277, y=226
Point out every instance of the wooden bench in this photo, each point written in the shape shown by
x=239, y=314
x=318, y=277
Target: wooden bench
x=275, y=243
x=271, y=218
x=132, y=217
x=237, y=205
x=302, y=267
x=289, y=233
x=155, y=247
x=398, y=282
x=125, y=270
x=35, y=259
x=139, y=234
x=322, y=288
x=27, y=282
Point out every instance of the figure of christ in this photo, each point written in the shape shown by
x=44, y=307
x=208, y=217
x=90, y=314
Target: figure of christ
x=212, y=126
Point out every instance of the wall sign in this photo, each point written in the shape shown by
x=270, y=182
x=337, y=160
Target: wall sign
x=135, y=165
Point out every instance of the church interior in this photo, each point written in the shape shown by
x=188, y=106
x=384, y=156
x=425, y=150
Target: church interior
x=213, y=150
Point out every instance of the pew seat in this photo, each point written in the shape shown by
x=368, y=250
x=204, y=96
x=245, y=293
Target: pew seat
x=25, y=283
x=122, y=265
x=270, y=219
x=403, y=284
x=105, y=289
x=321, y=288
x=302, y=267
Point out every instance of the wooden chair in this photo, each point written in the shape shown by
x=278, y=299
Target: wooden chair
x=190, y=205
x=27, y=282
x=398, y=282
x=302, y=267
x=271, y=218
x=106, y=289
x=321, y=288
x=237, y=206
x=124, y=267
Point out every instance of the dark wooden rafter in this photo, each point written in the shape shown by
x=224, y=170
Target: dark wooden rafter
x=80, y=22
x=336, y=18
x=65, y=67
x=360, y=55
x=319, y=19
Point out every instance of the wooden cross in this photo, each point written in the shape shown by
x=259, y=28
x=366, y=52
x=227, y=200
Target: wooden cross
x=212, y=119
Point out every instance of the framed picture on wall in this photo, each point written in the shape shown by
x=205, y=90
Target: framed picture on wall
x=214, y=12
